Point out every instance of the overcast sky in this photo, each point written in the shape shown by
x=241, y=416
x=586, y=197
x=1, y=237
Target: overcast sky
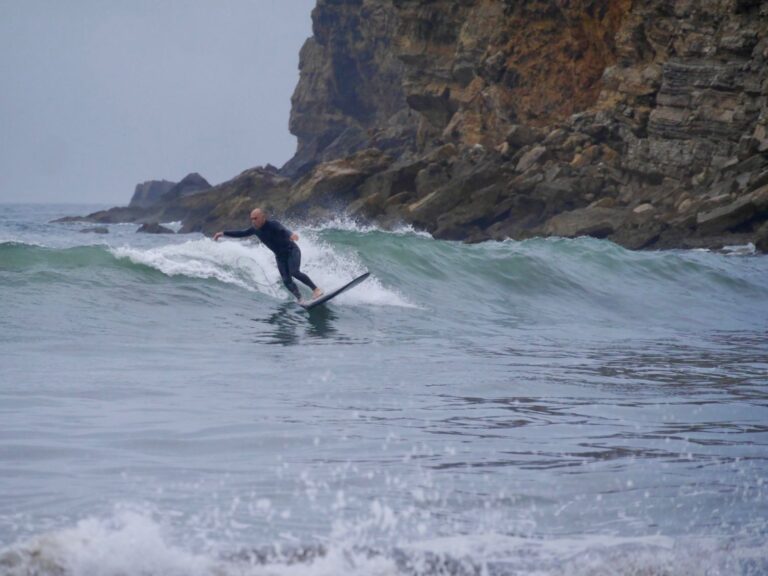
x=99, y=95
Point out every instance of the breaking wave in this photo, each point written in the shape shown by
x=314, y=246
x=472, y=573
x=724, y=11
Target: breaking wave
x=134, y=542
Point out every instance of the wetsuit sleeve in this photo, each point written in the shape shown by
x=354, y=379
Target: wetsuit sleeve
x=240, y=233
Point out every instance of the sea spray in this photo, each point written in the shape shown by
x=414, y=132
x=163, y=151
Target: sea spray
x=134, y=542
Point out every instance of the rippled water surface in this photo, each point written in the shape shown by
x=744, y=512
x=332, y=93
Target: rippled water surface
x=540, y=407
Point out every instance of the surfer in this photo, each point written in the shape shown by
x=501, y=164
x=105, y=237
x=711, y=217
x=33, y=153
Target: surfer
x=282, y=242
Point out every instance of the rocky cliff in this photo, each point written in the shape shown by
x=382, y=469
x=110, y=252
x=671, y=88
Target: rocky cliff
x=149, y=192
x=350, y=93
x=641, y=121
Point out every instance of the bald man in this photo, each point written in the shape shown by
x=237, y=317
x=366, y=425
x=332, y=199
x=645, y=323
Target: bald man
x=282, y=242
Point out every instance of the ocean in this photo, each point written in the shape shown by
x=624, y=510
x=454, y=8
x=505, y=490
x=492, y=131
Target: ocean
x=544, y=407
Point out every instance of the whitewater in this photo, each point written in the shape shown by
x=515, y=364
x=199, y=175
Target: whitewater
x=544, y=407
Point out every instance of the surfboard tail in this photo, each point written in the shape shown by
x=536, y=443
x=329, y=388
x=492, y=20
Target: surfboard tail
x=330, y=295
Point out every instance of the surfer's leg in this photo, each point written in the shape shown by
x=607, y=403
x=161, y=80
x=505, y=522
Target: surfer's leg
x=285, y=274
x=294, y=265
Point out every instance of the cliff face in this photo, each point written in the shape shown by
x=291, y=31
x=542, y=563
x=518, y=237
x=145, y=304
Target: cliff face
x=641, y=121
x=473, y=68
x=349, y=95
x=460, y=70
x=692, y=84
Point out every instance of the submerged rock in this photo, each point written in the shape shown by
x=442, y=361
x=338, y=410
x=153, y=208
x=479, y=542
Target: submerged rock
x=95, y=230
x=596, y=222
x=154, y=228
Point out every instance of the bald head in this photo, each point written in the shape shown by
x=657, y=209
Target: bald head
x=258, y=217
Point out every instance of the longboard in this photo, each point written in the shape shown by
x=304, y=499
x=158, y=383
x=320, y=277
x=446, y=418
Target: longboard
x=325, y=297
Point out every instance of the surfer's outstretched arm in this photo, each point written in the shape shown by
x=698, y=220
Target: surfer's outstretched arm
x=235, y=233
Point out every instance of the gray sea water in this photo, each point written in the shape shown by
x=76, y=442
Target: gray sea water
x=547, y=407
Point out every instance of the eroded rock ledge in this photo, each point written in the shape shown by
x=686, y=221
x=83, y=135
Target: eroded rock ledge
x=641, y=121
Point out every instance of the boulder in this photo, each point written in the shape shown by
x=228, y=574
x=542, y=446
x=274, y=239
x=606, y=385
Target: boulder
x=739, y=213
x=474, y=213
x=467, y=180
x=533, y=156
x=596, y=222
x=605, y=202
x=643, y=208
x=336, y=183
x=684, y=205
x=154, y=228
x=520, y=135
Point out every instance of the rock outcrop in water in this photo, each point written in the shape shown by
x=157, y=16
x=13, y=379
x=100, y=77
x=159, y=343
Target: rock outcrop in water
x=641, y=121
x=152, y=192
x=154, y=201
x=154, y=228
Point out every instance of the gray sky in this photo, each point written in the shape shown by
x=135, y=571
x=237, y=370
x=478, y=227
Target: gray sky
x=99, y=95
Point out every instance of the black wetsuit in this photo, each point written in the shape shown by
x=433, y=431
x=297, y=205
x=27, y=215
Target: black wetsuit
x=277, y=238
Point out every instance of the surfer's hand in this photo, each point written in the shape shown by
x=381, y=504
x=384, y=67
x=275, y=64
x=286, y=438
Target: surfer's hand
x=295, y=237
x=217, y=236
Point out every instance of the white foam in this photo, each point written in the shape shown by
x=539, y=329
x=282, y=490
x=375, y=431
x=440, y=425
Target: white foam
x=125, y=544
x=748, y=249
x=175, y=225
x=348, y=224
x=19, y=242
x=243, y=265
x=139, y=542
x=252, y=266
x=330, y=268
